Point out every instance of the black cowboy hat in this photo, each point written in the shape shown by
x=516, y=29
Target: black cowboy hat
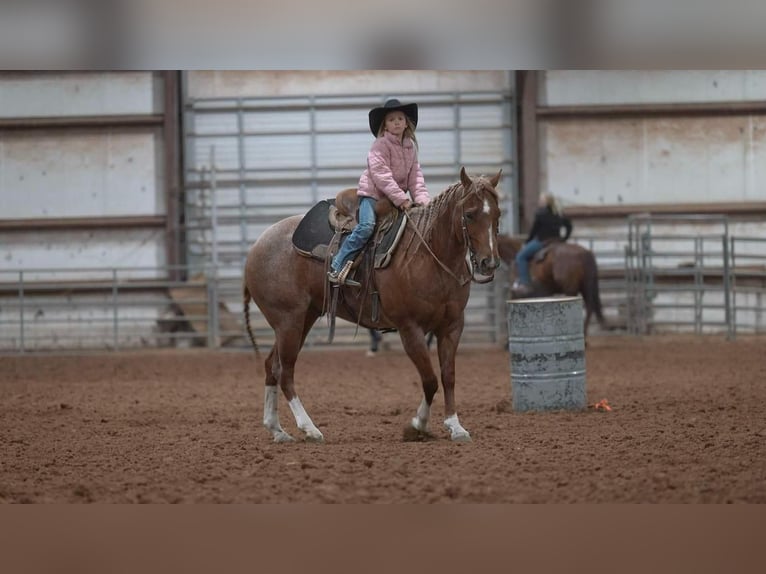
x=377, y=115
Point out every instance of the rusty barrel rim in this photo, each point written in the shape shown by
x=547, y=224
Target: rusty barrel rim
x=564, y=299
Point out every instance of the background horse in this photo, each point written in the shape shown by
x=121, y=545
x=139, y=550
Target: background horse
x=446, y=245
x=567, y=268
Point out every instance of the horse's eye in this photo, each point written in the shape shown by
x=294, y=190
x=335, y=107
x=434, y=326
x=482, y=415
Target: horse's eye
x=469, y=216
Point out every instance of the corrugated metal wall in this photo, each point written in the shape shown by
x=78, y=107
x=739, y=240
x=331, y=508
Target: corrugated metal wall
x=615, y=143
x=83, y=191
x=53, y=167
x=645, y=159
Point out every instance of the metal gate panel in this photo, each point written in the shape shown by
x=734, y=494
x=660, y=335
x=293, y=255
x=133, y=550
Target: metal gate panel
x=274, y=157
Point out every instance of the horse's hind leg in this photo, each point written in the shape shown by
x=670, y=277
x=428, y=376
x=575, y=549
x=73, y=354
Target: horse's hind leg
x=270, y=411
x=289, y=342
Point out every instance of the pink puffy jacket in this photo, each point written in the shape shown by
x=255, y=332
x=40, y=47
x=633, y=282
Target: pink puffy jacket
x=392, y=169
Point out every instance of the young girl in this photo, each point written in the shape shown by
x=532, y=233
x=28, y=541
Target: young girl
x=549, y=220
x=392, y=170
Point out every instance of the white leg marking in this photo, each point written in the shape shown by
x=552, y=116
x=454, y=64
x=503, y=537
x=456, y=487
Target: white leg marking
x=456, y=431
x=303, y=420
x=420, y=421
x=271, y=415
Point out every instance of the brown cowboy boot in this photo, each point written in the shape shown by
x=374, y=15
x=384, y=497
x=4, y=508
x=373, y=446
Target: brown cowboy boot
x=341, y=277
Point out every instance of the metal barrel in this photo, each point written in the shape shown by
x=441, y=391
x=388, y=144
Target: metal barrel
x=547, y=352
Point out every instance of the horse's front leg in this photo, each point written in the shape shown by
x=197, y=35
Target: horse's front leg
x=448, y=342
x=414, y=342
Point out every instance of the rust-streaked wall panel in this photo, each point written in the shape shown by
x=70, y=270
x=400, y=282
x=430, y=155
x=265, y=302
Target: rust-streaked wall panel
x=656, y=160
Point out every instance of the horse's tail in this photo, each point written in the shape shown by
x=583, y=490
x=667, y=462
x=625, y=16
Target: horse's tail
x=590, y=288
x=246, y=308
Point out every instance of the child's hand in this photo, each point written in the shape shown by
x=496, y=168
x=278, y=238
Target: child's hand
x=406, y=205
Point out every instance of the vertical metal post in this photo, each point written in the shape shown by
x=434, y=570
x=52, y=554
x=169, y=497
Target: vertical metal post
x=312, y=131
x=189, y=147
x=698, y=284
x=212, y=280
x=213, y=208
x=512, y=141
x=733, y=252
x=456, y=131
x=21, y=310
x=646, y=283
x=726, y=285
x=171, y=146
x=242, y=189
x=115, y=320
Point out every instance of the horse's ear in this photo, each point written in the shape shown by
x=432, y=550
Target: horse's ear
x=464, y=179
x=495, y=180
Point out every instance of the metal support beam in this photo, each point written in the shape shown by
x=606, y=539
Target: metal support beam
x=528, y=146
x=79, y=122
x=619, y=111
x=78, y=223
x=172, y=170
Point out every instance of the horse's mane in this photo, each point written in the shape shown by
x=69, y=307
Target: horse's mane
x=425, y=218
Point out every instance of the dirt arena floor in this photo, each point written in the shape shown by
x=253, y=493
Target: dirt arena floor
x=688, y=425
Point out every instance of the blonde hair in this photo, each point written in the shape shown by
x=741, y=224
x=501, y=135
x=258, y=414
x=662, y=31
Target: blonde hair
x=552, y=203
x=409, y=131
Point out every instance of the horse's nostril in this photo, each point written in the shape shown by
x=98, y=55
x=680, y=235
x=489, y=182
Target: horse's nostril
x=489, y=264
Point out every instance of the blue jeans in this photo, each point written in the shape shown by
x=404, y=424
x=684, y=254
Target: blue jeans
x=522, y=259
x=359, y=236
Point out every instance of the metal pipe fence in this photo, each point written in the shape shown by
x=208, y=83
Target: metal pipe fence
x=692, y=280
x=142, y=307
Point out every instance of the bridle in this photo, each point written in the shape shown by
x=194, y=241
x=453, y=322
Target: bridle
x=471, y=251
x=469, y=246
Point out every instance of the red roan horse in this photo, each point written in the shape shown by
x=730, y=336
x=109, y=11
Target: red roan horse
x=567, y=268
x=446, y=245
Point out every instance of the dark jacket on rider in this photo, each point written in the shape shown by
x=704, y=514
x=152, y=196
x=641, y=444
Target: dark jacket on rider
x=548, y=225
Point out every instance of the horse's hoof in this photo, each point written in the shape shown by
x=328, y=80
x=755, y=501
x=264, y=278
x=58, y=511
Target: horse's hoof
x=282, y=436
x=418, y=425
x=411, y=434
x=315, y=437
x=462, y=437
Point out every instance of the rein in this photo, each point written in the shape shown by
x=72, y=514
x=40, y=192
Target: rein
x=428, y=248
x=467, y=240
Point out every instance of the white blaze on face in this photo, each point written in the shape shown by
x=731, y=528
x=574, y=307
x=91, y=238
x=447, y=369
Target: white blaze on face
x=491, y=228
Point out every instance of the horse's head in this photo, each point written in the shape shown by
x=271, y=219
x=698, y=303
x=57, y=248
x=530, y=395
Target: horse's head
x=480, y=212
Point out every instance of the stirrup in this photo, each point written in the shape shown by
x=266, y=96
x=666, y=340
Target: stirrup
x=341, y=277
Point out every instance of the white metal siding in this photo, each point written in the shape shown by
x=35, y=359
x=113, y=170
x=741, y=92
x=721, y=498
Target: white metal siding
x=586, y=87
x=27, y=94
x=60, y=172
x=75, y=174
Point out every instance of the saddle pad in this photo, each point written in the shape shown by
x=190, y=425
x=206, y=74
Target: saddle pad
x=388, y=242
x=314, y=234
x=314, y=229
